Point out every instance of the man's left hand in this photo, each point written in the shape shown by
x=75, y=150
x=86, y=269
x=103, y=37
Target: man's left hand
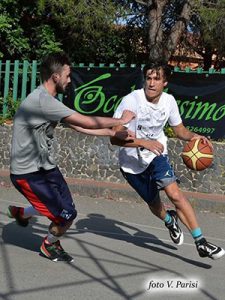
x=203, y=138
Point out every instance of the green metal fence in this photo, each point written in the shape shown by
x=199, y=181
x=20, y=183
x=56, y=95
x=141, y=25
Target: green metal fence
x=18, y=79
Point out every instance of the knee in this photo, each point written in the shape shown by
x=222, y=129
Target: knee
x=58, y=230
x=177, y=197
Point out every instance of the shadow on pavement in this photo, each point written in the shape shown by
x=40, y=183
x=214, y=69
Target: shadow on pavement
x=29, y=238
x=24, y=237
x=100, y=225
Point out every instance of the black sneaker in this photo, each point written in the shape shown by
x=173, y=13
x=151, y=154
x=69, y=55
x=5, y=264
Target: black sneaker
x=55, y=252
x=206, y=249
x=176, y=233
x=17, y=213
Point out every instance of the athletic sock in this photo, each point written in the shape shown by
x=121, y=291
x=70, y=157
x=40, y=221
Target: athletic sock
x=168, y=219
x=197, y=234
x=30, y=211
x=50, y=238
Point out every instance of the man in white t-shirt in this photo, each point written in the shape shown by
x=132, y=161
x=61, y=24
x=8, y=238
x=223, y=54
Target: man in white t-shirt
x=144, y=161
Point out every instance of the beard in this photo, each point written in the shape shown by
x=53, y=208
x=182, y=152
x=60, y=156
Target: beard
x=59, y=88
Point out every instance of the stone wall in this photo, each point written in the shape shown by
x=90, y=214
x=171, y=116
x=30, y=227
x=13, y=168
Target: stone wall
x=88, y=157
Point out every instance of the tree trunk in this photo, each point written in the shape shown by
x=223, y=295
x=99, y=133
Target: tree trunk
x=207, y=58
x=163, y=45
x=178, y=29
x=155, y=29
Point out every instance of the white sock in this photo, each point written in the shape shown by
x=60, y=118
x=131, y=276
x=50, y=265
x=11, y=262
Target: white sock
x=30, y=211
x=52, y=238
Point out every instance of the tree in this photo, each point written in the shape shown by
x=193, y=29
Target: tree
x=196, y=26
x=25, y=34
x=81, y=27
x=167, y=21
x=96, y=32
x=12, y=40
x=208, y=25
x=133, y=16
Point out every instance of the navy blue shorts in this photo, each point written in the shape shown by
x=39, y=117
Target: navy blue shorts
x=158, y=175
x=48, y=192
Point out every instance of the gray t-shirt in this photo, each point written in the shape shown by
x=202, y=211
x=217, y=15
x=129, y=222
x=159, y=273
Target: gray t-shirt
x=33, y=132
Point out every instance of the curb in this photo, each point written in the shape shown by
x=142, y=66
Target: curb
x=123, y=192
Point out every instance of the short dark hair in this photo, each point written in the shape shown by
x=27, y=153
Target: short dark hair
x=53, y=63
x=157, y=66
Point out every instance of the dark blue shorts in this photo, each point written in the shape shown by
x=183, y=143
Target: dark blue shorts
x=48, y=192
x=158, y=175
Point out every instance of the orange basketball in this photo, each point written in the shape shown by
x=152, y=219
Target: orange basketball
x=196, y=155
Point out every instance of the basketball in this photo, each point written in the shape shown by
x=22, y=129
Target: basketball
x=196, y=155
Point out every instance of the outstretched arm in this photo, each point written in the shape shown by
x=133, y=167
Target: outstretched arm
x=95, y=122
x=121, y=135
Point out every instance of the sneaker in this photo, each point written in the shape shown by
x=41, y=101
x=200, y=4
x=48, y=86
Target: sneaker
x=176, y=233
x=55, y=252
x=206, y=249
x=17, y=213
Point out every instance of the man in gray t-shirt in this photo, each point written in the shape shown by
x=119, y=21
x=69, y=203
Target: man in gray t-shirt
x=34, y=123
x=33, y=168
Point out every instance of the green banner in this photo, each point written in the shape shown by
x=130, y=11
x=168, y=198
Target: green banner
x=200, y=97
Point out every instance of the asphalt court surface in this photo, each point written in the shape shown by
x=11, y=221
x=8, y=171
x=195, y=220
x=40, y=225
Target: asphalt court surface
x=121, y=251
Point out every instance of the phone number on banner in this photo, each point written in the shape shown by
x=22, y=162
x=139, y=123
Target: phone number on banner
x=201, y=129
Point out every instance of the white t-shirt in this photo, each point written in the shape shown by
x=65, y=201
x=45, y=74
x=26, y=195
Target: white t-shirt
x=148, y=124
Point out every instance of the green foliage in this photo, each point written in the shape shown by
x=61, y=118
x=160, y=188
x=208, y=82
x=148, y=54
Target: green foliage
x=208, y=24
x=12, y=107
x=212, y=17
x=83, y=29
x=46, y=41
x=169, y=132
x=4, y=23
x=91, y=19
x=101, y=30
x=12, y=42
x=24, y=31
x=19, y=45
x=91, y=31
x=4, y=28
